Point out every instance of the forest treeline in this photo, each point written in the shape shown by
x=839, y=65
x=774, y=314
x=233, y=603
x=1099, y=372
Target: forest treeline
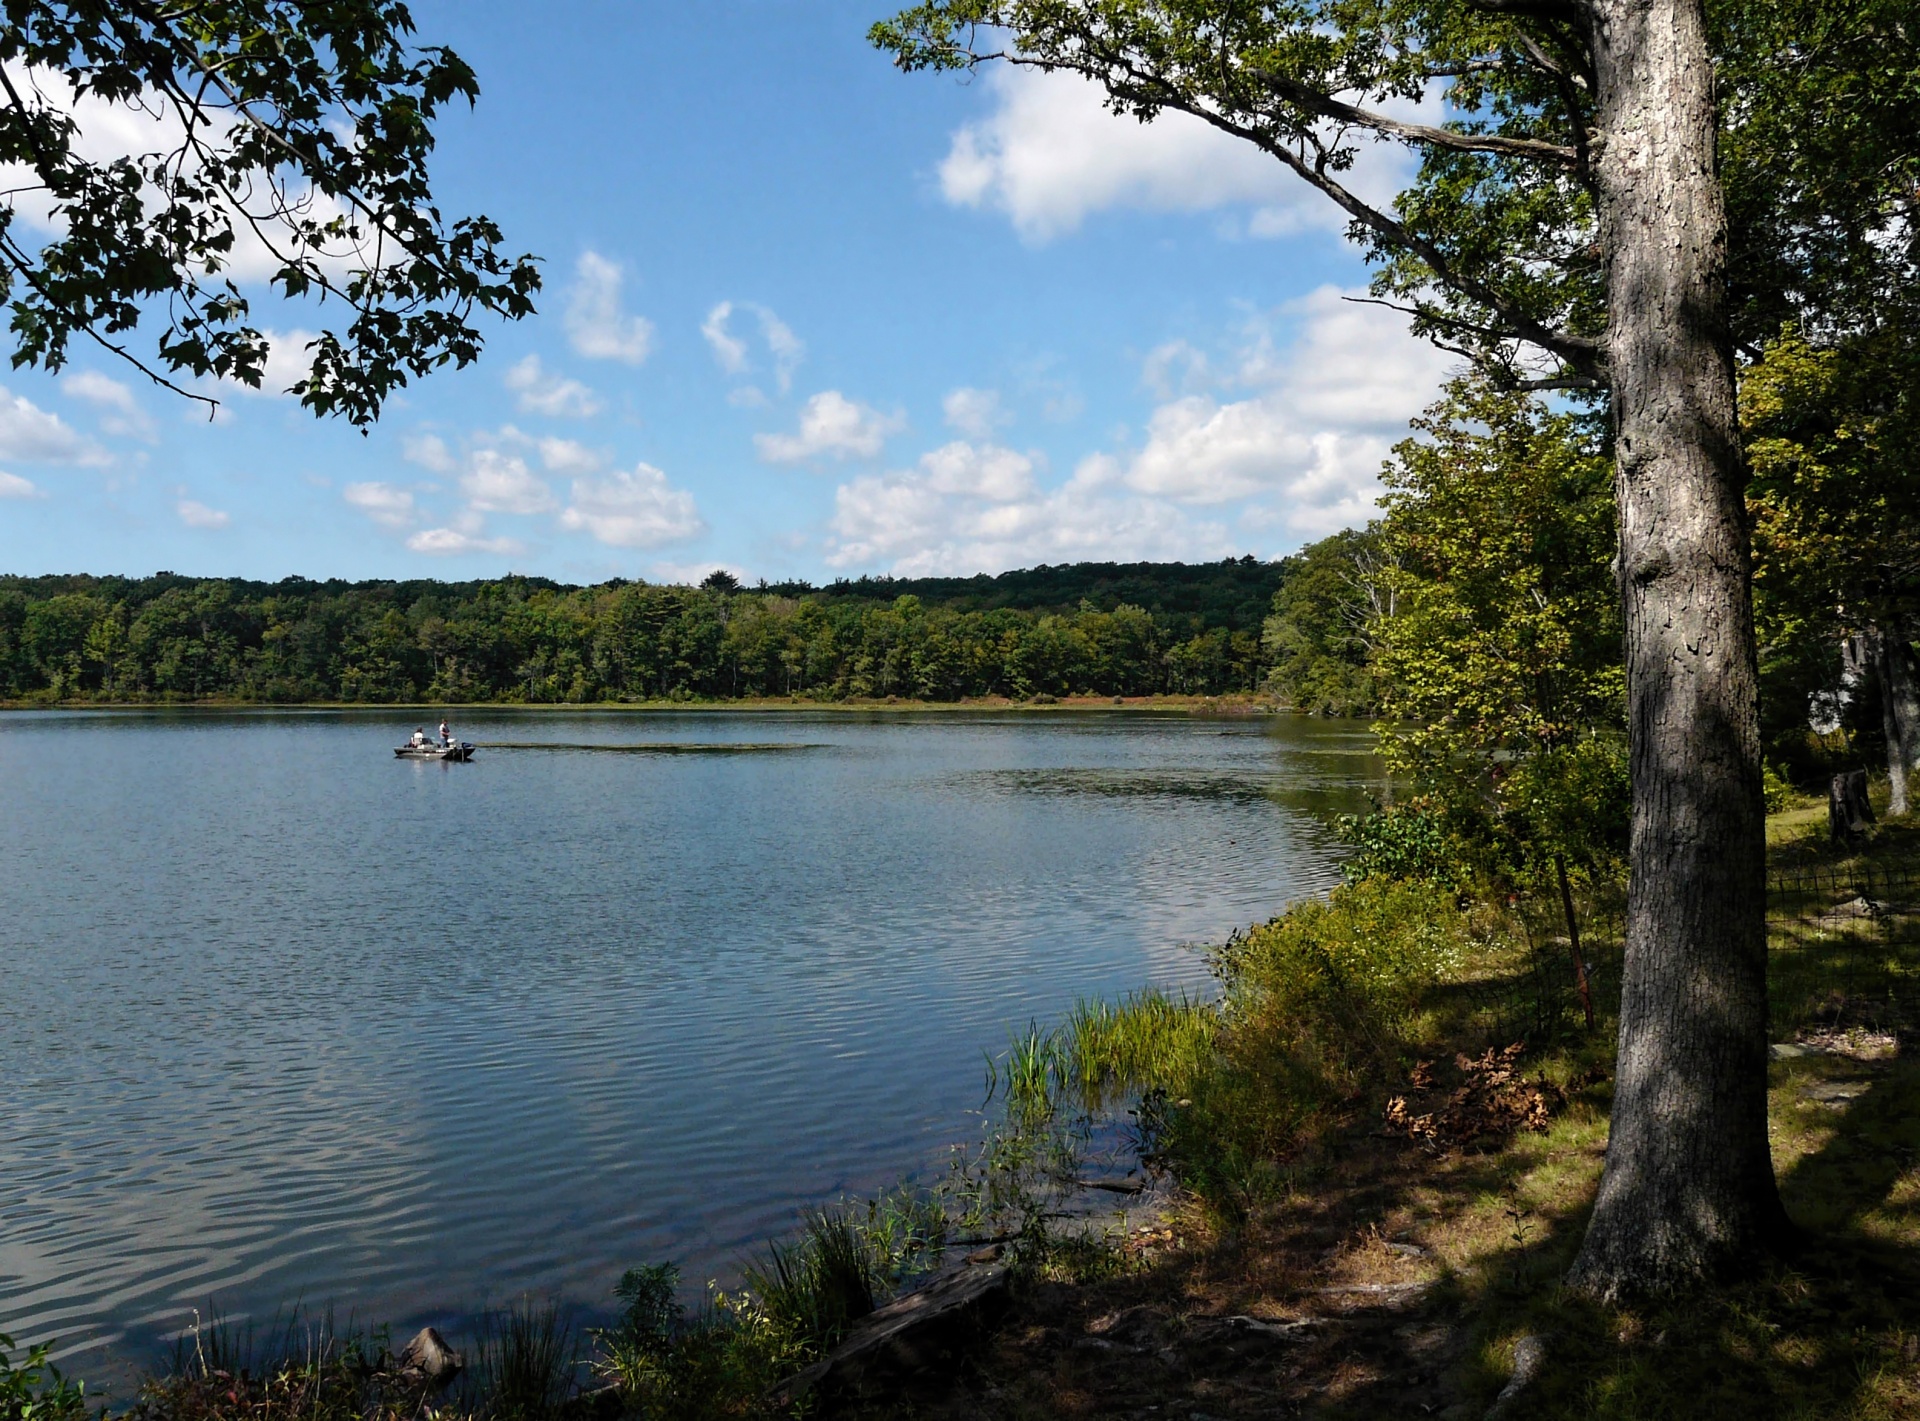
x=1091, y=628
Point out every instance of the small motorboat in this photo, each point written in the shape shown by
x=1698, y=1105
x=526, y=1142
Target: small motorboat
x=459, y=752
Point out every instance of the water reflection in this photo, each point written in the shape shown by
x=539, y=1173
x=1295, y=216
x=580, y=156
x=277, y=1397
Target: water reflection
x=285, y=1019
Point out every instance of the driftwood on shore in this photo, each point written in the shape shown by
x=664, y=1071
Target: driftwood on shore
x=908, y=1335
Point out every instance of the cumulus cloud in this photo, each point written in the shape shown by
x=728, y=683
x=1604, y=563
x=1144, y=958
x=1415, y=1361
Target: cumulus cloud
x=975, y=413
x=13, y=486
x=148, y=124
x=597, y=325
x=977, y=471
x=120, y=411
x=539, y=391
x=567, y=456
x=195, y=514
x=1282, y=432
x=36, y=436
x=449, y=542
x=497, y=481
x=831, y=425
x=907, y=522
x=1050, y=154
x=1324, y=412
x=386, y=505
x=734, y=351
x=494, y=473
x=429, y=451
x=634, y=508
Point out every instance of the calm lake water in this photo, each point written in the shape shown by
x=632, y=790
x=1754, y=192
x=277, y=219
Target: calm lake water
x=285, y=1020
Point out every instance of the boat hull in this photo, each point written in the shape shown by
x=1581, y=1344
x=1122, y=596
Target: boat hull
x=455, y=754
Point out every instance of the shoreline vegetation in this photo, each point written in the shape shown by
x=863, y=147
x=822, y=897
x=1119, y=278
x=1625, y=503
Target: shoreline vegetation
x=1244, y=704
x=1350, y=1186
x=1104, y=629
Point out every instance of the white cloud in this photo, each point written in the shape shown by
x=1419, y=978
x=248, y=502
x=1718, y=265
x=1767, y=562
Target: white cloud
x=122, y=414
x=975, y=413
x=495, y=481
x=831, y=424
x=1050, y=154
x=596, y=325
x=148, y=124
x=728, y=349
x=692, y=574
x=13, y=486
x=449, y=542
x=903, y=521
x=1326, y=411
x=197, y=515
x=36, y=436
x=429, y=451
x=386, y=505
x=785, y=350
x=567, y=456
x=552, y=395
x=978, y=471
x=634, y=508
x=1173, y=368
x=289, y=361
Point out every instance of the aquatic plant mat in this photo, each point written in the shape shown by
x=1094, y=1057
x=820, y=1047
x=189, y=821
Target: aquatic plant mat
x=657, y=747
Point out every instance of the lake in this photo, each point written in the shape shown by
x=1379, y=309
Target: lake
x=285, y=1020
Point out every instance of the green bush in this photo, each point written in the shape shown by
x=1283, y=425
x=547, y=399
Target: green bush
x=1321, y=1006
x=33, y=1390
x=1401, y=841
x=1777, y=790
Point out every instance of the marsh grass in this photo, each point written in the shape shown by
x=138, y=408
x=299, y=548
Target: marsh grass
x=523, y=1364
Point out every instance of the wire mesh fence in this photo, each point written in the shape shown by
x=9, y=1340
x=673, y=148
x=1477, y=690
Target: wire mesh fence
x=1844, y=944
x=1844, y=954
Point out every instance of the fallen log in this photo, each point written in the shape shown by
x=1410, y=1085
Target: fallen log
x=910, y=1334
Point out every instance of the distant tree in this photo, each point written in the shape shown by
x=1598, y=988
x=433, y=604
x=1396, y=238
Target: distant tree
x=1319, y=640
x=720, y=580
x=1832, y=433
x=1501, y=684
x=283, y=138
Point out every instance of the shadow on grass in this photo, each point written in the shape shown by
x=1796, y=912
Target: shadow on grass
x=1832, y=1330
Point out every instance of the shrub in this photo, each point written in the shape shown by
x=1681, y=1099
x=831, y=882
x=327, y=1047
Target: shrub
x=33, y=1390
x=1321, y=1004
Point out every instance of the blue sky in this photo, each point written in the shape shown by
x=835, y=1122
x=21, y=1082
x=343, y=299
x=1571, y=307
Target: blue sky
x=805, y=316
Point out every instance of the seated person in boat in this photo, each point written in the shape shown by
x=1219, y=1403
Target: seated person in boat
x=419, y=740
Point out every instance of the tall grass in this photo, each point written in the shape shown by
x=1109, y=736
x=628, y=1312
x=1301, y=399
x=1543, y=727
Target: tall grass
x=1102, y=1053
x=524, y=1363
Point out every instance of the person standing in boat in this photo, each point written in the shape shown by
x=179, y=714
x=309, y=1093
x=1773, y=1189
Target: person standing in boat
x=446, y=737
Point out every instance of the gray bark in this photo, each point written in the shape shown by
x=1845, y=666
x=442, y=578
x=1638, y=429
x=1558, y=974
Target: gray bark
x=1688, y=1191
x=1899, y=712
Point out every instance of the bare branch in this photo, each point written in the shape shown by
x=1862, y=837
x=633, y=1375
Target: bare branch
x=1313, y=101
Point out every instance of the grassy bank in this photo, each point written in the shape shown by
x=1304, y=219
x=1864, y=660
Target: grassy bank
x=1377, y=1149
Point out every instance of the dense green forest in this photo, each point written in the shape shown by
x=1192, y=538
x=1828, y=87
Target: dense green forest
x=1099, y=628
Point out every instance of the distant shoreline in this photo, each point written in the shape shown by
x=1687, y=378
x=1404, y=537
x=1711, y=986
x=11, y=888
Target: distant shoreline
x=1226, y=705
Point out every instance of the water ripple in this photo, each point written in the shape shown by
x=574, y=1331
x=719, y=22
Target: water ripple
x=285, y=1020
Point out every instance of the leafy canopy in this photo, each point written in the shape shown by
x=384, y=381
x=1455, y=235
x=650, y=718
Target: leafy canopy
x=288, y=138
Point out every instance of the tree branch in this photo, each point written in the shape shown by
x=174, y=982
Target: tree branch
x=1313, y=101
x=1585, y=353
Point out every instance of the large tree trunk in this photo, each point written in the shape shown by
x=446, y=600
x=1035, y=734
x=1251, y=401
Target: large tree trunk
x=1688, y=1191
x=1899, y=711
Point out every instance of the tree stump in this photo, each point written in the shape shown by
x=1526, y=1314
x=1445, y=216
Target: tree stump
x=1848, y=813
